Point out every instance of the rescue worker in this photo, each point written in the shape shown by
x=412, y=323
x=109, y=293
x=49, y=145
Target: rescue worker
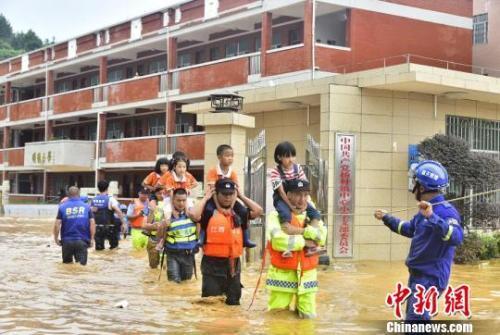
x=104, y=206
x=291, y=273
x=181, y=239
x=75, y=222
x=150, y=228
x=435, y=232
x=137, y=214
x=223, y=244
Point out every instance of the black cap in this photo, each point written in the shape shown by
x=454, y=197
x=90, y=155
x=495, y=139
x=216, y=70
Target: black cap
x=144, y=191
x=297, y=185
x=225, y=184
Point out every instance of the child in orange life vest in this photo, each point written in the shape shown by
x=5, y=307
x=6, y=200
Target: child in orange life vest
x=151, y=182
x=179, y=177
x=286, y=171
x=223, y=170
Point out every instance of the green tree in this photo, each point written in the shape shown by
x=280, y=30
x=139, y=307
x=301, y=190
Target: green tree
x=5, y=29
x=467, y=170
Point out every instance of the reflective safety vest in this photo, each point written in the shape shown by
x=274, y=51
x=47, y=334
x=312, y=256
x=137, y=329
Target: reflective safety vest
x=138, y=221
x=298, y=260
x=223, y=239
x=157, y=215
x=181, y=234
x=103, y=215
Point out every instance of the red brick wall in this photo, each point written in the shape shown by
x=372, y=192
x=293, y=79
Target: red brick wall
x=136, y=90
x=85, y=43
x=193, y=145
x=376, y=35
x=191, y=11
x=16, y=157
x=25, y=110
x=285, y=61
x=61, y=50
x=36, y=58
x=71, y=102
x=4, y=68
x=228, y=4
x=3, y=113
x=15, y=64
x=119, y=33
x=234, y=72
x=152, y=22
x=328, y=59
x=131, y=151
x=456, y=7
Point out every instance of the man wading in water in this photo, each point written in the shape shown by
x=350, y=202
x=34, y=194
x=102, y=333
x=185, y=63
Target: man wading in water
x=76, y=224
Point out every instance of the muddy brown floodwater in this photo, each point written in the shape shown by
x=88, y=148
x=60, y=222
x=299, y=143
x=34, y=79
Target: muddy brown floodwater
x=40, y=295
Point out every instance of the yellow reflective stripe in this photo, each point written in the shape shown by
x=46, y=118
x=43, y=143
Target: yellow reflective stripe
x=182, y=232
x=400, y=226
x=180, y=223
x=173, y=240
x=448, y=235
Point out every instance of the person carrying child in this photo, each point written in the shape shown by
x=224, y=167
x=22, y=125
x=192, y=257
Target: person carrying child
x=224, y=169
x=151, y=182
x=287, y=170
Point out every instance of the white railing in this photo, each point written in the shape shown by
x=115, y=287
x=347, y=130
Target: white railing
x=175, y=80
x=254, y=65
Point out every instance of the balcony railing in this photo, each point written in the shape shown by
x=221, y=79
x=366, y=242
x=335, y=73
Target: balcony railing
x=254, y=65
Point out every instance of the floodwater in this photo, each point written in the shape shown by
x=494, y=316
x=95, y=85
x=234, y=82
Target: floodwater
x=40, y=295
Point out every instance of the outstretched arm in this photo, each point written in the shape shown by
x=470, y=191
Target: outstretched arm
x=405, y=228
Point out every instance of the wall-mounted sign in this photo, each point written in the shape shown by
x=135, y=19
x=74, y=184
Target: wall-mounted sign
x=345, y=151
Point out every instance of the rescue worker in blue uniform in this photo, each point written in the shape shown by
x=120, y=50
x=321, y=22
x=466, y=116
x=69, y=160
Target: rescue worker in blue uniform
x=75, y=223
x=181, y=240
x=435, y=232
x=103, y=205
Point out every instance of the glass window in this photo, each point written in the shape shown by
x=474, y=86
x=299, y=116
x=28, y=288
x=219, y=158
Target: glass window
x=198, y=57
x=293, y=37
x=94, y=79
x=214, y=53
x=62, y=86
x=115, y=75
x=156, y=125
x=114, y=129
x=243, y=46
x=276, y=40
x=231, y=49
x=158, y=65
x=480, y=29
x=257, y=43
x=184, y=60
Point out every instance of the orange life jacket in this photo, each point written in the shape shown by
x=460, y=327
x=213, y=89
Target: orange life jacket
x=297, y=259
x=138, y=221
x=223, y=239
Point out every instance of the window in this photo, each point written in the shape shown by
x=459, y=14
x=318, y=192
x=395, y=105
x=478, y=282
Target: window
x=94, y=79
x=480, y=29
x=159, y=65
x=243, y=46
x=231, y=49
x=198, y=57
x=156, y=125
x=184, y=60
x=257, y=43
x=115, y=75
x=114, y=129
x=214, y=53
x=293, y=37
x=62, y=86
x=276, y=40
x=482, y=135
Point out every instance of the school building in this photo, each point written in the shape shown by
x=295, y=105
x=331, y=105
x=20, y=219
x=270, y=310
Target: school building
x=352, y=83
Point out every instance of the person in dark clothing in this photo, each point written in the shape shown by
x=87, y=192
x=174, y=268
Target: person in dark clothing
x=75, y=222
x=223, y=243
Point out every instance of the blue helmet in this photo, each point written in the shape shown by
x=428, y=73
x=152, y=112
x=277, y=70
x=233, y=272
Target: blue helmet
x=431, y=175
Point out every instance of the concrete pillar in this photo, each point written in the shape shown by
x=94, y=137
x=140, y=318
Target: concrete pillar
x=265, y=40
x=171, y=57
x=103, y=70
x=308, y=32
x=226, y=128
x=49, y=83
x=8, y=94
